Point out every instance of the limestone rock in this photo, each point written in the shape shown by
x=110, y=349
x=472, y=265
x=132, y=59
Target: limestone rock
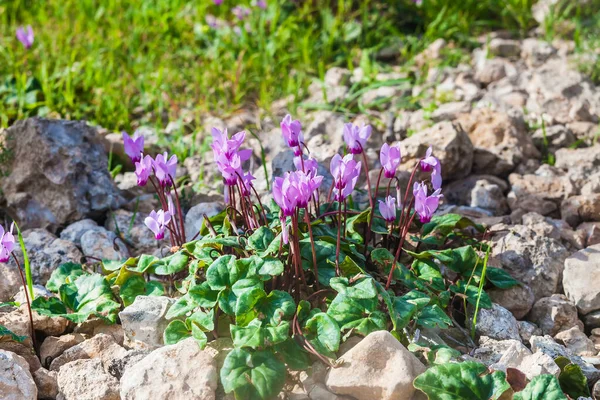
x=101, y=347
x=497, y=323
x=576, y=341
x=177, y=372
x=103, y=244
x=46, y=383
x=379, y=367
x=581, y=279
x=16, y=382
x=75, y=231
x=144, y=322
x=86, y=379
x=53, y=346
x=555, y=314
x=517, y=299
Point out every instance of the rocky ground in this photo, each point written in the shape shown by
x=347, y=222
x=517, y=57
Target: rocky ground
x=516, y=134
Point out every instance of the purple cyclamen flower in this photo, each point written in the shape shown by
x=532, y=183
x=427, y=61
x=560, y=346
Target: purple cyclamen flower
x=345, y=173
x=240, y=12
x=431, y=163
x=356, y=137
x=387, y=208
x=143, y=170
x=25, y=36
x=228, y=156
x=7, y=243
x=286, y=196
x=261, y=4
x=310, y=165
x=134, y=146
x=292, y=133
x=390, y=158
x=164, y=169
x=305, y=185
x=218, y=2
x=425, y=205
x=247, y=179
x=157, y=222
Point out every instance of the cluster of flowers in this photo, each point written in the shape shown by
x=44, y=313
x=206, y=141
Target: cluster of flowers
x=239, y=12
x=160, y=171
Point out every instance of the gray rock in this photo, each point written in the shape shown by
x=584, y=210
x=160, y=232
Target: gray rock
x=520, y=357
x=576, y=342
x=536, y=51
x=504, y=47
x=583, y=208
x=144, y=322
x=16, y=382
x=527, y=330
x=490, y=70
x=101, y=347
x=75, y=231
x=155, y=376
x=546, y=345
x=10, y=282
x=553, y=138
x=195, y=216
x=58, y=173
x=103, y=244
x=532, y=259
x=554, y=314
x=581, y=279
x=116, y=367
x=450, y=111
x=54, y=346
x=130, y=226
x=497, y=323
x=518, y=299
x=46, y=253
x=379, y=367
x=86, y=379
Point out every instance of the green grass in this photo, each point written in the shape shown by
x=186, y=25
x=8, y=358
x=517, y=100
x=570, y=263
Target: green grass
x=121, y=64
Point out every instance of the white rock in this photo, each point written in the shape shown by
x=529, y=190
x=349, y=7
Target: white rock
x=554, y=314
x=86, y=380
x=177, y=372
x=16, y=382
x=144, y=322
x=379, y=367
x=581, y=279
x=102, y=347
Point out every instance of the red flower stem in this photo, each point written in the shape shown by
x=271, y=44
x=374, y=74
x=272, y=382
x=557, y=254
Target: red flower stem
x=399, y=251
x=368, y=235
x=261, y=205
x=28, y=301
x=337, y=246
x=163, y=204
x=366, y=168
x=312, y=244
x=182, y=237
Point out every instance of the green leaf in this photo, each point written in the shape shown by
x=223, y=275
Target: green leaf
x=269, y=267
x=358, y=314
x=465, y=381
x=133, y=287
x=67, y=272
x=7, y=333
x=204, y=320
x=461, y=260
x=255, y=336
x=261, y=239
x=223, y=273
x=175, y=332
x=112, y=265
x=433, y=316
x=571, y=379
x=50, y=306
x=274, y=307
x=323, y=333
x=429, y=272
x=353, y=222
x=199, y=335
x=145, y=263
x=172, y=264
x=542, y=387
x=364, y=288
x=203, y=295
x=252, y=375
x=500, y=278
x=154, y=288
x=445, y=224
x=403, y=312
x=182, y=306
x=293, y=355
x=89, y=295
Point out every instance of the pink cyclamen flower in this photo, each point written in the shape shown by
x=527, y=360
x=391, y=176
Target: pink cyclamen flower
x=356, y=137
x=7, y=243
x=305, y=185
x=261, y=4
x=431, y=163
x=247, y=179
x=228, y=156
x=292, y=133
x=25, y=36
x=387, y=208
x=390, y=158
x=218, y=2
x=425, y=205
x=134, y=146
x=345, y=173
x=157, y=222
x=286, y=196
x=311, y=165
x=165, y=168
x=143, y=170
